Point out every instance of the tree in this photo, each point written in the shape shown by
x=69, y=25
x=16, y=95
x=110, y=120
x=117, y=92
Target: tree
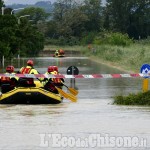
x=69, y=18
x=1, y=4
x=36, y=14
x=9, y=40
x=140, y=17
x=93, y=10
x=23, y=37
x=128, y=16
x=31, y=40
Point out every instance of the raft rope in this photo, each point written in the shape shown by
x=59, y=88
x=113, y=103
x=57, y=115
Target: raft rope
x=77, y=76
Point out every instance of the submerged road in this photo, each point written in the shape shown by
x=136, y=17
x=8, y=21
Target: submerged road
x=94, y=122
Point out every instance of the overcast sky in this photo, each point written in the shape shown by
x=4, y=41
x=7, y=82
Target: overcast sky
x=9, y=2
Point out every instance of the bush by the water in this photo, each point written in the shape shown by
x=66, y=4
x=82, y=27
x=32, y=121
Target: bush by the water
x=141, y=98
x=113, y=38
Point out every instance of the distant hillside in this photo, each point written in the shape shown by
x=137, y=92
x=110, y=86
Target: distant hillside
x=46, y=5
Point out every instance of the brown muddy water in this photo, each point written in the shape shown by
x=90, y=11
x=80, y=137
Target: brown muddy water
x=94, y=122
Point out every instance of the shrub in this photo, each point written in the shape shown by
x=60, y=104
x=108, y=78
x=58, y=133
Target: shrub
x=113, y=38
x=134, y=99
x=88, y=38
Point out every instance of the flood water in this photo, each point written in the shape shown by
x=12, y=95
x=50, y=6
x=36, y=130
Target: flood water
x=94, y=122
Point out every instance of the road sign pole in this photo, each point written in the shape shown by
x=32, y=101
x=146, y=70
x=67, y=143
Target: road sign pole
x=72, y=70
x=145, y=70
x=145, y=85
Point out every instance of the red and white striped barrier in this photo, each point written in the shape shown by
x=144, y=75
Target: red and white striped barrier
x=76, y=76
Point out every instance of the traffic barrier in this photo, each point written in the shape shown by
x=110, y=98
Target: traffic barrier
x=84, y=76
x=89, y=76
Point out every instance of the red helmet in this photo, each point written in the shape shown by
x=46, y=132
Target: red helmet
x=10, y=69
x=55, y=68
x=50, y=69
x=61, y=51
x=30, y=62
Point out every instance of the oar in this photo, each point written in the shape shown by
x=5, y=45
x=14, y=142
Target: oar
x=64, y=94
x=72, y=97
x=71, y=90
x=67, y=95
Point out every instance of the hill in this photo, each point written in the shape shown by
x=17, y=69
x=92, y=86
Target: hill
x=46, y=5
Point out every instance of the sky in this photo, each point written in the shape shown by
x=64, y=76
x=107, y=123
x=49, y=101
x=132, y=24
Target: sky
x=10, y=2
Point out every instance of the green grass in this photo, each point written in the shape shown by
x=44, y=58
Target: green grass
x=54, y=47
x=129, y=58
x=141, y=98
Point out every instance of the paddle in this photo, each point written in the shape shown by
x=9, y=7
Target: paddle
x=67, y=95
x=71, y=90
x=64, y=94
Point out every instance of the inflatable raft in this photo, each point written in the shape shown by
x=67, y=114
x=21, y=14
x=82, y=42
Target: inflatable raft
x=59, y=55
x=30, y=95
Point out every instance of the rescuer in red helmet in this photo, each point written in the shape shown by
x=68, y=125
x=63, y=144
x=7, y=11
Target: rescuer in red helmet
x=50, y=69
x=62, y=52
x=55, y=68
x=29, y=69
x=10, y=69
x=51, y=82
x=8, y=83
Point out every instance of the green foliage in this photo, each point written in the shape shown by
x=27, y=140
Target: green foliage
x=88, y=38
x=113, y=38
x=19, y=38
x=70, y=20
x=4, y=49
x=8, y=30
x=1, y=4
x=133, y=99
x=32, y=41
x=128, y=16
x=93, y=10
x=36, y=14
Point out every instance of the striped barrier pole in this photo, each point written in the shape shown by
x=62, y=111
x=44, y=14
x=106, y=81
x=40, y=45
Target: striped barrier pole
x=80, y=76
x=84, y=76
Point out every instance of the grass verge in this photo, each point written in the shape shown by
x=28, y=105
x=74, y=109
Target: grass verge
x=141, y=98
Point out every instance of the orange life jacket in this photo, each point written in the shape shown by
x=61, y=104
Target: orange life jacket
x=26, y=70
x=8, y=80
x=56, y=80
x=5, y=79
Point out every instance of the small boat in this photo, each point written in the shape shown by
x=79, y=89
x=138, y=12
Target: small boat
x=59, y=53
x=30, y=95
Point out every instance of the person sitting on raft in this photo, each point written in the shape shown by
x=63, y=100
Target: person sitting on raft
x=9, y=82
x=51, y=83
x=29, y=69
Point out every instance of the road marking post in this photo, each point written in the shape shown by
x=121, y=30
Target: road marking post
x=145, y=85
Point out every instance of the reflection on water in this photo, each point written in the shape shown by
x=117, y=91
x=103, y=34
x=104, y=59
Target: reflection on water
x=94, y=113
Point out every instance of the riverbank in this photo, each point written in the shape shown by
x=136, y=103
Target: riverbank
x=128, y=59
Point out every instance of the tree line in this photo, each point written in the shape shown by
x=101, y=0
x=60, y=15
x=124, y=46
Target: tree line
x=71, y=22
